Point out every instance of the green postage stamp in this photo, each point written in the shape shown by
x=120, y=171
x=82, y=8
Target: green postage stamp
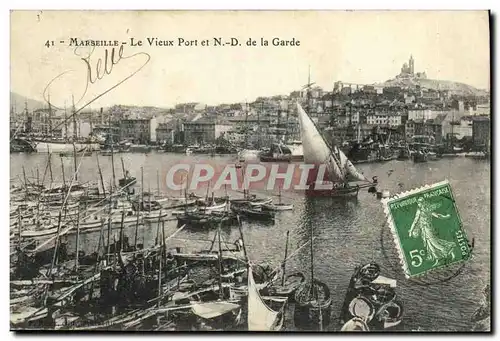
x=427, y=228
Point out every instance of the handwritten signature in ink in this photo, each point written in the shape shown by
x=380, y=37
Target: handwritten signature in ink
x=98, y=69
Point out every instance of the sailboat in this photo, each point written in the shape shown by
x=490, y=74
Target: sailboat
x=313, y=301
x=339, y=170
x=248, y=153
x=262, y=317
x=280, y=206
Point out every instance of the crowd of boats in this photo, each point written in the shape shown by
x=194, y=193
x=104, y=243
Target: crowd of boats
x=125, y=285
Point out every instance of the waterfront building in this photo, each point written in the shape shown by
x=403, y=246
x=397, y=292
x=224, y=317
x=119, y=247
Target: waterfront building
x=481, y=130
x=138, y=130
x=199, y=131
x=430, y=127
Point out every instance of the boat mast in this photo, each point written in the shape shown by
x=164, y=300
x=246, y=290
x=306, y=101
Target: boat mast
x=284, y=260
x=75, y=130
x=286, y=126
x=100, y=174
x=142, y=189
x=50, y=169
x=158, y=182
x=65, y=123
x=77, y=237
x=109, y=221
x=246, y=124
x=452, y=124
x=258, y=124
x=50, y=116
x=278, y=123
x=308, y=92
x=221, y=292
x=62, y=169
x=312, y=293
x=74, y=158
x=112, y=153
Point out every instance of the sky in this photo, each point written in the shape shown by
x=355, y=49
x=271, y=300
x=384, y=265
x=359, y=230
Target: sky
x=349, y=46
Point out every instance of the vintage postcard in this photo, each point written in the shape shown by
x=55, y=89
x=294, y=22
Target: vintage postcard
x=250, y=171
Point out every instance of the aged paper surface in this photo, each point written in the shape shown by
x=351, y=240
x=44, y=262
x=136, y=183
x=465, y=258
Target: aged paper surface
x=224, y=170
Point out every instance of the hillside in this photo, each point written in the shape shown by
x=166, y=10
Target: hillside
x=454, y=87
x=18, y=102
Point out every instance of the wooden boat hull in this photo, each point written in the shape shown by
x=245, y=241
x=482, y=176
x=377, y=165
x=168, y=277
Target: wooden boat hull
x=283, y=158
x=203, y=221
x=276, y=207
x=350, y=192
x=312, y=315
x=54, y=147
x=39, y=233
x=290, y=287
x=254, y=214
x=152, y=216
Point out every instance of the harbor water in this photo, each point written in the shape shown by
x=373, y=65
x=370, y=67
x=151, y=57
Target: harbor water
x=347, y=233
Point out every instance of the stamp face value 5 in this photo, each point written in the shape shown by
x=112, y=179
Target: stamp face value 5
x=427, y=228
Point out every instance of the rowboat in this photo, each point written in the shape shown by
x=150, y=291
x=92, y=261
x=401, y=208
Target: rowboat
x=312, y=306
x=39, y=233
x=277, y=207
x=291, y=284
x=253, y=213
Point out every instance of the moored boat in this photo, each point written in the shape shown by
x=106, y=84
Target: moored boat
x=337, y=170
x=371, y=298
x=312, y=306
x=252, y=213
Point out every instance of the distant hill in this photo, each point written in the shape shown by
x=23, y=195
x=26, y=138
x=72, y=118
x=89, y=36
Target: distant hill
x=18, y=101
x=454, y=87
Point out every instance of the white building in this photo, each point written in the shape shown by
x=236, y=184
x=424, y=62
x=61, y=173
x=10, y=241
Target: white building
x=384, y=119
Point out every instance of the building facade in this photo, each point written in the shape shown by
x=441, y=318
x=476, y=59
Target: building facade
x=481, y=130
x=201, y=131
x=138, y=130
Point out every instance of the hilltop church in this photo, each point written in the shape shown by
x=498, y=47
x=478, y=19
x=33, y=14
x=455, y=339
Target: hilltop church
x=408, y=70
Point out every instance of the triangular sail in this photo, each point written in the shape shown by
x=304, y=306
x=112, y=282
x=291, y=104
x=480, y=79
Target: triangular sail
x=317, y=151
x=352, y=173
x=260, y=316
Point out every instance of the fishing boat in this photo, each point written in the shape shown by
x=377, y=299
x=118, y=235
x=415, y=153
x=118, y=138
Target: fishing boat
x=79, y=153
x=140, y=148
x=250, y=200
x=248, y=155
x=252, y=213
x=339, y=173
x=279, y=206
x=312, y=306
x=154, y=215
x=277, y=153
x=61, y=146
x=296, y=149
x=204, y=220
x=262, y=316
x=477, y=155
x=371, y=298
x=42, y=231
x=213, y=204
x=312, y=300
x=182, y=211
x=419, y=156
x=287, y=285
